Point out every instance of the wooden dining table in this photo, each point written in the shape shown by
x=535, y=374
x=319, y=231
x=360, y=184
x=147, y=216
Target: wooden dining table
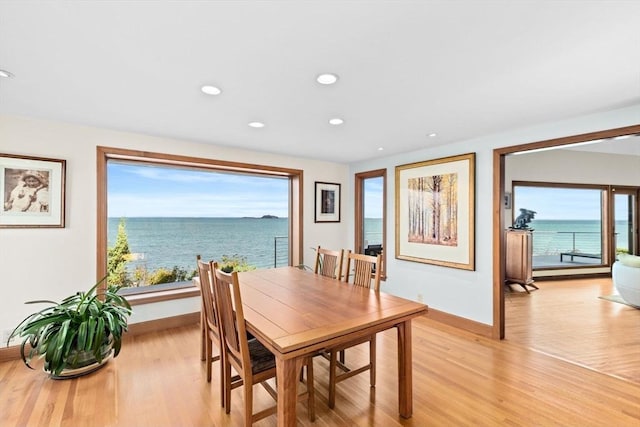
x=296, y=313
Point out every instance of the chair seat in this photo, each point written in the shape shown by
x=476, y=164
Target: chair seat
x=261, y=358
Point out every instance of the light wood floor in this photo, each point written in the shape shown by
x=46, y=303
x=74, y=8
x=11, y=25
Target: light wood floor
x=566, y=319
x=459, y=379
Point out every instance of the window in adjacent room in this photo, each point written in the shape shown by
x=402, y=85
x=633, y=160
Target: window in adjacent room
x=570, y=228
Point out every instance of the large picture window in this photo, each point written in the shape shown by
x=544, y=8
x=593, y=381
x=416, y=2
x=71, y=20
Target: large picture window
x=569, y=224
x=158, y=215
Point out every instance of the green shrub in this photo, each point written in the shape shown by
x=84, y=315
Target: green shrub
x=117, y=258
x=235, y=263
x=176, y=274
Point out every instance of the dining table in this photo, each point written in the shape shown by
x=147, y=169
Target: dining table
x=296, y=313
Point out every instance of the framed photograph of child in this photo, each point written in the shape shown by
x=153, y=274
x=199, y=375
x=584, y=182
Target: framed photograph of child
x=32, y=191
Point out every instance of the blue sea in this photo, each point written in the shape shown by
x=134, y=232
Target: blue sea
x=169, y=242
x=551, y=237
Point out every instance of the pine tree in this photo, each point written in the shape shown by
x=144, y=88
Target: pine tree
x=117, y=258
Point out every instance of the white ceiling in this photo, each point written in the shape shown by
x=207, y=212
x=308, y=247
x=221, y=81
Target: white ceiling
x=461, y=68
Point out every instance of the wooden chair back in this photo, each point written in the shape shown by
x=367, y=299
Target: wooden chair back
x=206, y=292
x=234, y=334
x=366, y=270
x=329, y=262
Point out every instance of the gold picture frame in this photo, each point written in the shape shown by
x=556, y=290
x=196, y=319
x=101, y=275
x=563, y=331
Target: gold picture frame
x=435, y=211
x=32, y=190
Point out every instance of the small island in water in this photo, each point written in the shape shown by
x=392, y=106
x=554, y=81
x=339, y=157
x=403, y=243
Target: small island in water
x=269, y=216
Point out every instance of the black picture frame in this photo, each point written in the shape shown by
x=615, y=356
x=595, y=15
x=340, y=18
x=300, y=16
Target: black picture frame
x=327, y=202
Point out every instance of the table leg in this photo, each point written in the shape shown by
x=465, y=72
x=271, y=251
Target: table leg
x=287, y=379
x=405, y=370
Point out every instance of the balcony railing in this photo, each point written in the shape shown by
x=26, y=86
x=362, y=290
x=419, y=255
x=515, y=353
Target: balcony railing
x=557, y=242
x=280, y=251
x=563, y=248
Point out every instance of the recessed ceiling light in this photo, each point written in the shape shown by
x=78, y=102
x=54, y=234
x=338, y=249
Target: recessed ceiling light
x=211, y=90
x=432, y=135
x=336, y=121
x=380, y=148
x=327, y=78
x=256, y=125
x=4, y=73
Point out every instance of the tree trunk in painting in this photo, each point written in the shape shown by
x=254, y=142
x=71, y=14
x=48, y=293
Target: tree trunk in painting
x=433, y=209
x=433, y=184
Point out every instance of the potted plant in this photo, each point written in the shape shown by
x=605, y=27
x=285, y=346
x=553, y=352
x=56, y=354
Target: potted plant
x=77, y=335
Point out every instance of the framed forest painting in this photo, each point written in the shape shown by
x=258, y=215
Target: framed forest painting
x=435, y=211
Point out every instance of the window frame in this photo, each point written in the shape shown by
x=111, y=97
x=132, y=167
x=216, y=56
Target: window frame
x=359, y=214
x=605, y=222
x=105, y=154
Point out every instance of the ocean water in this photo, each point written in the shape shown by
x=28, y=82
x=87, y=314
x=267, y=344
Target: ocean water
x=552, y=237
x=169, y=242
x=373, y=231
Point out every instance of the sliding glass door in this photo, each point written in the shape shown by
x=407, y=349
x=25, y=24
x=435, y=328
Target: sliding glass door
x=625, y=220
x=569, y=223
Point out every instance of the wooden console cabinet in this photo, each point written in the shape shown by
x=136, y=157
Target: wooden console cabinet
x=519, y=253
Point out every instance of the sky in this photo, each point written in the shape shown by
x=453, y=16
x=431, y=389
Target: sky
x=373, y=197
x=561, y=203
x=153, y=191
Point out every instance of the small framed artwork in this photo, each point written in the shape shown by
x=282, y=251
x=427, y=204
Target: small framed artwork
x=435, y=212
x=32, y=190
x=327, y=202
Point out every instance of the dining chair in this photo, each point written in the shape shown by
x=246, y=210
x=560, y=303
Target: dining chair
x=210, y=324
x=329, y=262
x=252, y=361
x=366, y=273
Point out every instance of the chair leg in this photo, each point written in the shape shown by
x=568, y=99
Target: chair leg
x=208, y=356
x=227, y=386
x=372, y=360
x=248, y=403
x=203, y=336
x=342, y=356
x=332, y=378
x=223, y=381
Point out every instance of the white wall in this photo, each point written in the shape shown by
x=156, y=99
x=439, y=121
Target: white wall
x=571, y=166
x=469, y=294
x=54, y=263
